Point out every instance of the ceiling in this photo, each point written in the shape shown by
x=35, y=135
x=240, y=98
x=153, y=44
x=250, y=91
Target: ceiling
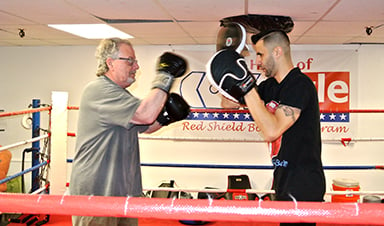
x=184, y=22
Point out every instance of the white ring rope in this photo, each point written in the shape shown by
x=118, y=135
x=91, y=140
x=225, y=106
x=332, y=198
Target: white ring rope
x=329, y=140
x=146, y=137
x=205, y=190
x=257, y=191
x=23, y=142
x=38, y=191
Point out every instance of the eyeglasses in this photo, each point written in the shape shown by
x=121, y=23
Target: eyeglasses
x=130, y=60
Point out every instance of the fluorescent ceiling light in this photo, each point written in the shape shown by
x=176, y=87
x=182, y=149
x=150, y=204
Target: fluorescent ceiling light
x=91, y=31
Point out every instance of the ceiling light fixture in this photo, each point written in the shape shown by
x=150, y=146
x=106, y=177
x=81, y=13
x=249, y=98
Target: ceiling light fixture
x=91, y=31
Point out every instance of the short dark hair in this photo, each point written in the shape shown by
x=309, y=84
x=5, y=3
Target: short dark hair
x=261, y=35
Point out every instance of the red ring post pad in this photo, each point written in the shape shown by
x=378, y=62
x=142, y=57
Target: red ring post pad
x=194, y=209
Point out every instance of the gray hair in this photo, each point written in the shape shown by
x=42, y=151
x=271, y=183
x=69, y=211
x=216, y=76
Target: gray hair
x=108, y=48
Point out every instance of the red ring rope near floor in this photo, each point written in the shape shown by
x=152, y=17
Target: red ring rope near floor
x=194, y=209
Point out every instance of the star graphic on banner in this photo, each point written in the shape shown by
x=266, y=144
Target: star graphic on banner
x=246, y=116
x=343, y=117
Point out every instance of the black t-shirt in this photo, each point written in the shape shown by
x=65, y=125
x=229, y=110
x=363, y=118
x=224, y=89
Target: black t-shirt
x=298, y=169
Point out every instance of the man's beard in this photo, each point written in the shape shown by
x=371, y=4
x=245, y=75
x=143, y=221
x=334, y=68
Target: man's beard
x=270, y=64
x=131, y=80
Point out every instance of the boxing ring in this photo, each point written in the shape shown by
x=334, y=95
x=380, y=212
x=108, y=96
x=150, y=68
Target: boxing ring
x=48, y=196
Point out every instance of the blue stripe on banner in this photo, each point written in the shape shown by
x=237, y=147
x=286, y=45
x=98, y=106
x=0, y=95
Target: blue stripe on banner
x=334, y=117
x=221, y=116
x=246, y=116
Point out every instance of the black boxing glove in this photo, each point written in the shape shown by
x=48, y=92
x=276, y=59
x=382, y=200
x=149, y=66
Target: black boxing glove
x=227, y=71
x=231, y=36
x=173, y=64
x=169, y=66
x=175, y=109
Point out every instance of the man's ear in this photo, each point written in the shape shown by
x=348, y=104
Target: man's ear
x=109, y=62
x=277, y=51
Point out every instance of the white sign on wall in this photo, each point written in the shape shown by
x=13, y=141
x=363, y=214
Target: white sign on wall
x=331, y=71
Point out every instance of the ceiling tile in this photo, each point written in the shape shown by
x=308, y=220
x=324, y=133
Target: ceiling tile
x=357, y=10
x=188, y=21
x=298, y=10
x=203, y=10
x=47, y=12
x=121, y=9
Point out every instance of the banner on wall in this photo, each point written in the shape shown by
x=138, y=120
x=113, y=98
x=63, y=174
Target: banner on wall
x=331, y=71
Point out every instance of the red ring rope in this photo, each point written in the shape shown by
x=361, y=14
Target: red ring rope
x=218, y=110
x=71, y=134
x=195, y=209
x=23, y=112
x=73, y=108
x=354, y=111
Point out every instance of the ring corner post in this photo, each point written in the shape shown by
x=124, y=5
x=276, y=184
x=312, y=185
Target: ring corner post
x=59, y=128
x=35, y=145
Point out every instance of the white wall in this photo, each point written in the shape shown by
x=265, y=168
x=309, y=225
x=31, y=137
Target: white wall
x=34, y=72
